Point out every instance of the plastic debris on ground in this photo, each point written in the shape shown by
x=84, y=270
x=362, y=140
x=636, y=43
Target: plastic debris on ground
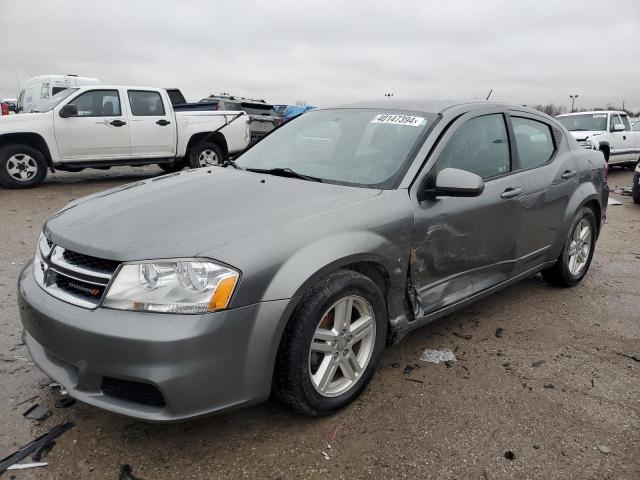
x=613, y=201
x=22, y=466
x=37, y=412
x=64, y=401
x=34, y=445
x=438, y=356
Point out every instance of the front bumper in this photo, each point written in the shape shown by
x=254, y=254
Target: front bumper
x=191, y=364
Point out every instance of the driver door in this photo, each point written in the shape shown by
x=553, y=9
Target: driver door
x=100, y=131
x=463, y=245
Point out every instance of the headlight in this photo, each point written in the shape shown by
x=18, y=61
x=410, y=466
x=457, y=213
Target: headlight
x=44, y=247
x=172, y=286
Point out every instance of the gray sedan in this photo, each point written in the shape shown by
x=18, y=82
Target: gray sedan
x=291, y=269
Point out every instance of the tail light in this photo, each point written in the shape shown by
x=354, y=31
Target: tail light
x=5, y=108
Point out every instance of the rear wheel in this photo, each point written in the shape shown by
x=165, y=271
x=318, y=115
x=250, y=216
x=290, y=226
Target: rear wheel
x=331, y=345
x=635, y=189
x=206, y=154
x=573, y=263
x=21, y=166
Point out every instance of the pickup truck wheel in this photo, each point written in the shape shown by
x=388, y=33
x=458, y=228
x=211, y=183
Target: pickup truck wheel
x=21, y=166
x=206, y=154
x=331, y=345
x=573, y=263
x=635, y=189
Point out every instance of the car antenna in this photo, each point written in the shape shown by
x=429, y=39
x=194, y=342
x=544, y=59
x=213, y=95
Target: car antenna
x=490, y=92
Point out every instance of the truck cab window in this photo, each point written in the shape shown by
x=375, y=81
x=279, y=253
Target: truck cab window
x=98, y=103
x=146, y=103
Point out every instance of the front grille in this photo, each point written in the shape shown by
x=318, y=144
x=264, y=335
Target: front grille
x=78, y=288
x=133, y=391
x=99, y=264
x=74, y=277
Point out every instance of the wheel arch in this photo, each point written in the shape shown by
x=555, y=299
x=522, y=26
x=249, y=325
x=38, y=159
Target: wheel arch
x=214, y=137
x=34, y=140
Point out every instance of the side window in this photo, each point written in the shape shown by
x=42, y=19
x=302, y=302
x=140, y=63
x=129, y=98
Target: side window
x=145, y=103
x=615, y=120
x=534, y=141
x=98, y=103
x=625, y=121
x=481, y=146
x=636, y=127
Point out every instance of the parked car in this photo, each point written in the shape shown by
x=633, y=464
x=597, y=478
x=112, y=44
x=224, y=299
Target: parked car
x=332, y=237
x=287, y=112
x=262, y=115
x=4, y=108
x=12, y=104
x=608, y=131
x=37, y=91
x=104, y=126
x=176, y=96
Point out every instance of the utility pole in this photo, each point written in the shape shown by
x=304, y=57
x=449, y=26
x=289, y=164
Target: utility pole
x=573, y=100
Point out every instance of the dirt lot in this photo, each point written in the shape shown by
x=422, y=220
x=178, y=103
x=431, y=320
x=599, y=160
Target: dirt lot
x=434, y=422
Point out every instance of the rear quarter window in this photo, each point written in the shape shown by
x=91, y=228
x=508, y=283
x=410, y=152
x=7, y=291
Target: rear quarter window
x=534, y=141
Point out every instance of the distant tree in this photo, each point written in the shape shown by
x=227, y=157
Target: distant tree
x=550, y=109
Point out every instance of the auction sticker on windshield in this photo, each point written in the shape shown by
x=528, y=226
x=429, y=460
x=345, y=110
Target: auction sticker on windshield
x=407, y=120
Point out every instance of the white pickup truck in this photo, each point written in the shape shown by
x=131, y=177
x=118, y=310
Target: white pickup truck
x=608, y=131
x=102, y=126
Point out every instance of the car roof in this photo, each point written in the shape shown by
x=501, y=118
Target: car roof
x=593, y=112
x=437, y=106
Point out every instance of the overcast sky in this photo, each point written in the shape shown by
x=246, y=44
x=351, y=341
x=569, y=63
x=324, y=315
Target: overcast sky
x=327, y=51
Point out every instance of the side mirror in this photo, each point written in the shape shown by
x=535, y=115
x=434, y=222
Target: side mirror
x=453, y=182
x=618, y=128
x=69, y=110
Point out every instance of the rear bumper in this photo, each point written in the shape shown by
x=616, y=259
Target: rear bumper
x=194, y=364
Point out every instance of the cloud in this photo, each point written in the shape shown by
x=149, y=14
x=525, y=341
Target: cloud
x=332, y=51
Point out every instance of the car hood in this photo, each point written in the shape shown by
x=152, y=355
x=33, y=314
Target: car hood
x=582, y=135
x=191, y=212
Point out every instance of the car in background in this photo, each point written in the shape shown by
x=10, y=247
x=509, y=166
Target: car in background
x=12, y=104
x=608, y=131
x=331, y=238
x=104, y=126
x=262, y=115
x=287, y=112
x=37, y=91
x=4, y=108
x=176, y=96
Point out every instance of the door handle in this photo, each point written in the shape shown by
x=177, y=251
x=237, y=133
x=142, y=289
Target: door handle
x=117, y=123
x=162, y=123
x=567, y=174
x=512, y=192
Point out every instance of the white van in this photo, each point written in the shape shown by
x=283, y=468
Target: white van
x=38, y=90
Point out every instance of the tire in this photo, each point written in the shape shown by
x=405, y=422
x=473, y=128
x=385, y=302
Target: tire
x=172, y=167
x=21, y=166
x=562, y=273
x=295, y=364
x=206, y=154
x=635, y=189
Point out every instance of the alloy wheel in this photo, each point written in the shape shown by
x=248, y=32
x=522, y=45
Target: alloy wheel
x=21, y=167
x=342, y=346
x=580, y=247
x=208, y=158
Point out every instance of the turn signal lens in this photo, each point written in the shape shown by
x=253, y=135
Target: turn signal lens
x=222, y=295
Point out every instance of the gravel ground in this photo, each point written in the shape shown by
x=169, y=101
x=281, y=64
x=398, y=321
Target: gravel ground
x=433, y=422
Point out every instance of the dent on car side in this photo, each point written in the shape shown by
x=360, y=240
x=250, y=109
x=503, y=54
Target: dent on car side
x=283, y=236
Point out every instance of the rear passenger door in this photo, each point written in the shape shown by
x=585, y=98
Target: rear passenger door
x=465, y=245
x=552, y=175
x=153, y=133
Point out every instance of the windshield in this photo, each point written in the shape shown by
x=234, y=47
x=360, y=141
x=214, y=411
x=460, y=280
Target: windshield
x=586, y=122
x=360, y=147
x=54, y=100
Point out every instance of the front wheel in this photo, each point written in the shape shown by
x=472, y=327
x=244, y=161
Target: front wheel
x=573, y=263
x=331, y=345
x=21, y=166
x=206, y=154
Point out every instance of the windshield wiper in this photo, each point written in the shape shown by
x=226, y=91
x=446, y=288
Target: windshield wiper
x=232, y=163
x=284, y=172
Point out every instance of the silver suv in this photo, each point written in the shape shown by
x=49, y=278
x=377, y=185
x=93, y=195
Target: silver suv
x=334, y=236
